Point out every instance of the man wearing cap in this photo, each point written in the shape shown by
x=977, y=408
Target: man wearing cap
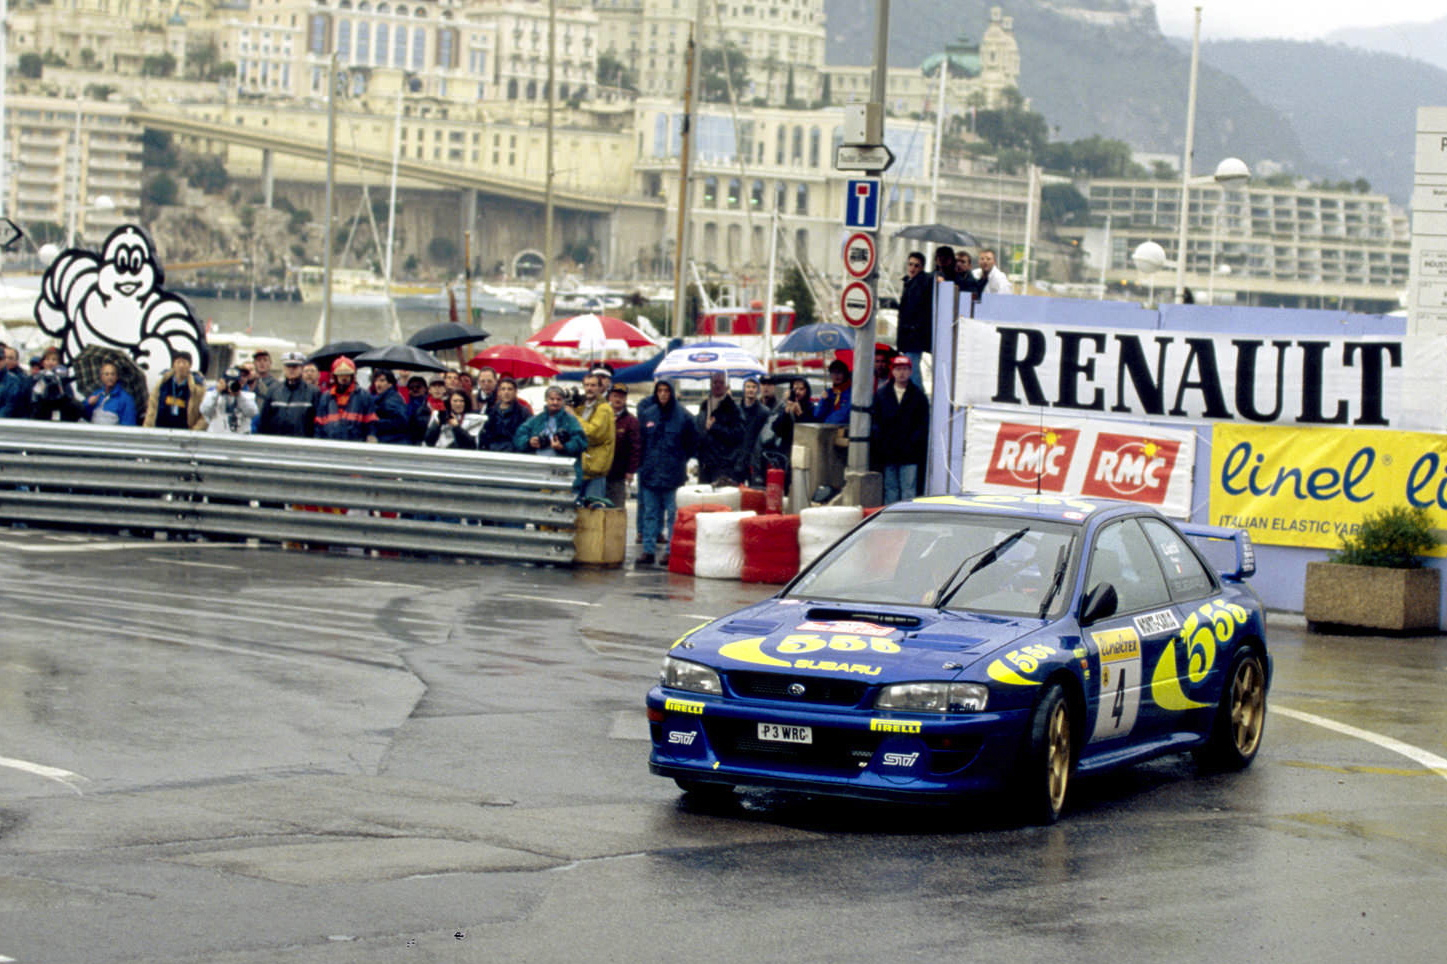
x=345, y=413
x=290, y=408
x=627, y=446
x=265, y=380
x=175, y=402
x=229, y=405
x=899, y=432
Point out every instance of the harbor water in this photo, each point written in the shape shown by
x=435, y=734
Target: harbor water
x=296, y=322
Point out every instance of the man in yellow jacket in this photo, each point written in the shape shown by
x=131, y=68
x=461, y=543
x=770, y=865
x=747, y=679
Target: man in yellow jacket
x=596, y=417
x=176, y=399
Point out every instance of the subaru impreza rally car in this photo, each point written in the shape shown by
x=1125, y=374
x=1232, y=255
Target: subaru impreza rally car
x=958, y=644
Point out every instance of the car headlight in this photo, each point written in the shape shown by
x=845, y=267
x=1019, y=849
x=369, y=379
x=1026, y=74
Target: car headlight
x=933, y=697
x=681, y=674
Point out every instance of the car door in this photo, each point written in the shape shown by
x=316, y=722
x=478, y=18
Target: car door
x=1125, y=647
x=1188, y=678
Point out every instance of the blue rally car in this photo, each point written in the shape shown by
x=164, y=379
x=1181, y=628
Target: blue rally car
x=958, y=644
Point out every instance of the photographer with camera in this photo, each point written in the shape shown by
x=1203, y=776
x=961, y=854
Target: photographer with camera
x=553, y=431
x=229, y=405
x=176, y=400
x=53, y=397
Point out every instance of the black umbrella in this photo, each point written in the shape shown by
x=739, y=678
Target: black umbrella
x=325, y=355
x=86, y=369
x=408, y=357
x=447, y=334
x=939, y=234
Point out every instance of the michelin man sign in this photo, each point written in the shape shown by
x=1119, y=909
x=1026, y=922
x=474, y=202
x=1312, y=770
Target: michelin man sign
x=115, y=300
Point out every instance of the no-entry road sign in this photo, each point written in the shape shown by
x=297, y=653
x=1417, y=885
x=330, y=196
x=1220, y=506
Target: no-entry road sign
x=856, y=304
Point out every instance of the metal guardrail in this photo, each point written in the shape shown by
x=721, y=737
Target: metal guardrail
x=388, y=497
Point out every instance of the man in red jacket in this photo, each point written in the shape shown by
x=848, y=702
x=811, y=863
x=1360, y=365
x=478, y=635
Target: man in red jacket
x=627, y=448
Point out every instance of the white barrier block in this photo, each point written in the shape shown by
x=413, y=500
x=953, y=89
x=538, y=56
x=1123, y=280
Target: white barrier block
x=820, y=526
x=707, y=494
x=719, y=553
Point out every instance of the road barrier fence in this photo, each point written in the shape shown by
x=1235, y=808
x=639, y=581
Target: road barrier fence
x=387, y=497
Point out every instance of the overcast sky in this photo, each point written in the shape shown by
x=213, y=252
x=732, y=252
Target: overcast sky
x=1294, y=19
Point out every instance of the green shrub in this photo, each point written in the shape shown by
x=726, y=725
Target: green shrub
x=1394, y=538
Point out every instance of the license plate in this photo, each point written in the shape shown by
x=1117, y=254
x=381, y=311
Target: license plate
x=785, y=734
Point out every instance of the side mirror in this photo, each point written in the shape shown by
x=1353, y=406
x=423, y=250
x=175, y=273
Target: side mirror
x=1100, y=603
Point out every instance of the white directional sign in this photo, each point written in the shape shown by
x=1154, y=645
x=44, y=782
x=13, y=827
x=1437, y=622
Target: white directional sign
x=862, y=157
x=859, y=255
x=861, y=203
x=856, y=304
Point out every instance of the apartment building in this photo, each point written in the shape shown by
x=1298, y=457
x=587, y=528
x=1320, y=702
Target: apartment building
x=63, y=155
x=462, y=51
x=782, y=40
x=1259, y=244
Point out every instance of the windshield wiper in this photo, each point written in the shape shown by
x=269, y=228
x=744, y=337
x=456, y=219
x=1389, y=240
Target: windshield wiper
x=947, y=591
x=1056, y=578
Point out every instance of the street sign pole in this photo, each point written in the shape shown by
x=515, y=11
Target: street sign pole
x=862, y=395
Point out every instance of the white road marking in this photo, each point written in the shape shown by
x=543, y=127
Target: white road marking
x=1431, y=761
x=546, y=599
x=44, y=549
x=188, y=562
x=396, y=585
x=41, y=770
x=3, y=959
x=99, y=626
x=695, y=616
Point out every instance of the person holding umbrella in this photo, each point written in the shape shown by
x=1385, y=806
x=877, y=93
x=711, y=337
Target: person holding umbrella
x=720, y=428
x=391, y=408
x=345, y=414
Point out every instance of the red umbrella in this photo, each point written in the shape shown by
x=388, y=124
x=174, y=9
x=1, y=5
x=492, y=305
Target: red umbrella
x=846, y=355
x=589, y=331
x=515, y=361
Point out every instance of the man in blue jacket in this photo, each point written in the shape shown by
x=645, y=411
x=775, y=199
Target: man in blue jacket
x=553, y=431
x=110, y=404
x=392, y=427
x=669, y=438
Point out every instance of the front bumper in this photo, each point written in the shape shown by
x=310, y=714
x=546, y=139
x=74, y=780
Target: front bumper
x=868, y=754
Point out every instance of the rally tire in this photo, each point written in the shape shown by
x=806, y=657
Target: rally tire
x=1047, y=764
x=1240, y=717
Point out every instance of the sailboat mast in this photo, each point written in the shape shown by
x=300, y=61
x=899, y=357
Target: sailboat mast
x=548, y=174
x=327, y=241
x=685, y=175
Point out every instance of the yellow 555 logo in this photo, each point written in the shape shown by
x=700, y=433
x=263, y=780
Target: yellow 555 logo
x=1204, y=629
x=1015, y=666
x=797, y=646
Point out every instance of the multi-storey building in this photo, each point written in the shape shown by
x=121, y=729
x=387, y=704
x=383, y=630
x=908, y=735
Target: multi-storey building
x=1259, y=244
x=781, y=40
x=106, y=36
x=457, y=50
x=979, y=74
x=62, y=155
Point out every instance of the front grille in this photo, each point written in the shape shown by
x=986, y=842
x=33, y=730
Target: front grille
x=775, y=686
x=844, y=751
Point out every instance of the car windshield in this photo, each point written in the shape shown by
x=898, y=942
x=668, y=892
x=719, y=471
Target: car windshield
x=998, y=564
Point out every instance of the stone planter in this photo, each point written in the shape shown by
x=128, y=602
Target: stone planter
x=1371, y=598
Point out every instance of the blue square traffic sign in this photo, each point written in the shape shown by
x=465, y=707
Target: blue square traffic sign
x=861, y=204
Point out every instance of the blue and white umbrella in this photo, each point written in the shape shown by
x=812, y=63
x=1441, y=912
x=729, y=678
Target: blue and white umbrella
x=819, y=337
x=708, y=358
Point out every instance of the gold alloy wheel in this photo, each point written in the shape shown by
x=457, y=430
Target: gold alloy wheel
x=1248, y=706
x=1057, y=758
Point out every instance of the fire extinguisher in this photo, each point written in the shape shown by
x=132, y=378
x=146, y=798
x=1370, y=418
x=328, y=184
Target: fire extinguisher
x=774, y=491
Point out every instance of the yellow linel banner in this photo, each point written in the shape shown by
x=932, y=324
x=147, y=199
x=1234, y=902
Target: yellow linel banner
x=1291, y=486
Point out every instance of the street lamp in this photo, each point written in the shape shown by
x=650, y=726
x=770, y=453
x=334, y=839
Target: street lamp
x=1148, y=258
x=1231, y=171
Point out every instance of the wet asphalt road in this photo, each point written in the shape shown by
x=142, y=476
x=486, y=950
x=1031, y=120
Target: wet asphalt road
x=238, y=755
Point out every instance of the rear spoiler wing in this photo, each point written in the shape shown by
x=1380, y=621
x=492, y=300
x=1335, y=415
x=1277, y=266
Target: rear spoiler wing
x=1229, y=551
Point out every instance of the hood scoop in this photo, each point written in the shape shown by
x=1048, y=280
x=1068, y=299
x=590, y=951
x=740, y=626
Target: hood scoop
x=751, y=627
x=893, y=620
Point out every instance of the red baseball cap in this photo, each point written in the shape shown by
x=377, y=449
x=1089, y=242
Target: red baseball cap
x=901, y=360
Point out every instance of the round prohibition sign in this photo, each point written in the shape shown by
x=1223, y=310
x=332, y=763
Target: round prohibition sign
x=859, y=255
x=856, y=304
